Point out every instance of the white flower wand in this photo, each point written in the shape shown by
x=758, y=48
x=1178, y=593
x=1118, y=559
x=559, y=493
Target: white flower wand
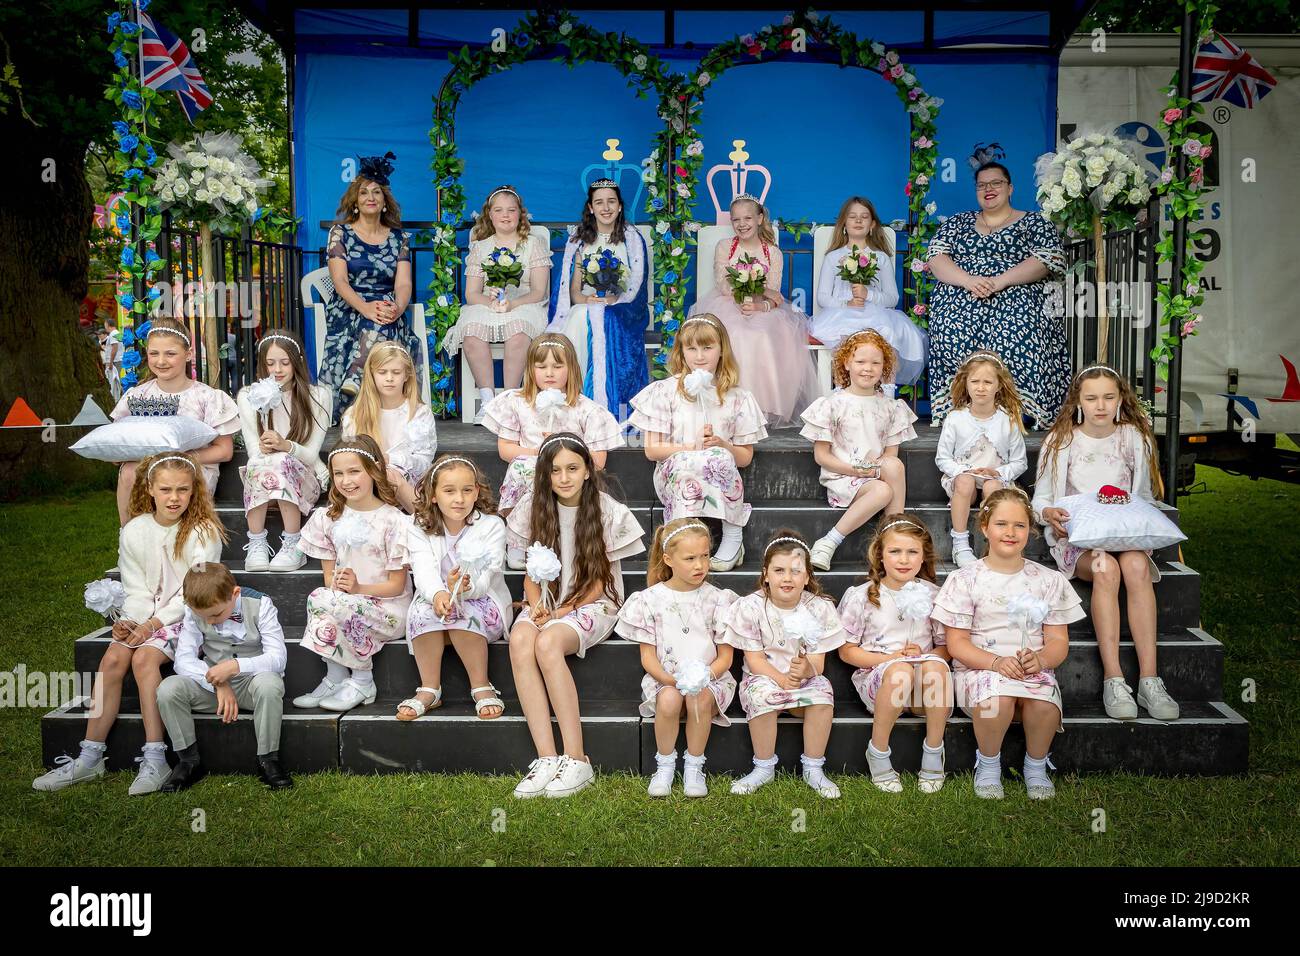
x=350, y=531
x=543, y=566
x=914, y=604
x=472, y=558
x=1026, y=611
x=106, y=597
x=550, y=400
x=692, y=677
x=264, y=395
x=697, y=384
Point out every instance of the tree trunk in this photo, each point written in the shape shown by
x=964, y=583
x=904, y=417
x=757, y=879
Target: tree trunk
x=45, y=358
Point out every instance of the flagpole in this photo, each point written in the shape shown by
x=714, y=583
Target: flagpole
x=1187, y=45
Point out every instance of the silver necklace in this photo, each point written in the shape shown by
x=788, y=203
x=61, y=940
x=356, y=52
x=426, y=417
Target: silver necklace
x=682, y=618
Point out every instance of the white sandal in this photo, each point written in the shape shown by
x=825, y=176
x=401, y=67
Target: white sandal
x=418, y=706
x=481, y=704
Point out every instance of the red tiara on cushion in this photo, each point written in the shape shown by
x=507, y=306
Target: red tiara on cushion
x=1110, y=495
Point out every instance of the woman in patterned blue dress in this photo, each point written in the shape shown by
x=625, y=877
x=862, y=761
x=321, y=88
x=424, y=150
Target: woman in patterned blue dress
x=993, y=266
x=369, y=260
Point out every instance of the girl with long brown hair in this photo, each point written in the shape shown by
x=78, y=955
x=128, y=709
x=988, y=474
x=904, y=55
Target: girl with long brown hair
x=785, y=628
x=677, y=620
x=172, y=527
x=590, y=533
x=901, y=658
x=1103, y=437
x=361, y=540
x=283, y=448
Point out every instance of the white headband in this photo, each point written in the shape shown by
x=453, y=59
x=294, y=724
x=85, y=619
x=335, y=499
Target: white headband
x=909, y=523
x=700, y=318
x=452, y=459
x=149, y=473
x=693, y=526
x=578, y=442
x=1096, y=368
x=356, y=451
x=502, y=189
x=277, y=335
x=775, y=541
x=390, y=344
x=170, y=331
x=983, y=357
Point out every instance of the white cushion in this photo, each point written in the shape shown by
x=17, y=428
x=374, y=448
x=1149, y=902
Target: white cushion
x=139, y=436
x=1136, y=526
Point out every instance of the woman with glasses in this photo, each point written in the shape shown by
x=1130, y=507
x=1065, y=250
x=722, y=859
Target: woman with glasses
x=992, y=266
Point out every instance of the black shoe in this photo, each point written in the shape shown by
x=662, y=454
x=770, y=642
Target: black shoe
x=271, y=773
x=183, y=776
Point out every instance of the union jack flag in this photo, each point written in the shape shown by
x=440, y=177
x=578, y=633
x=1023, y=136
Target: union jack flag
x=167, y=65
x=1224, y=71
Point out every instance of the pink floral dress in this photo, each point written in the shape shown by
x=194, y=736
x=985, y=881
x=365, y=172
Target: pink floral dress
x=510, y=416
x=682, y=626
x=859, y=428
x=352, y=628
x=882, y=630
x=398, y=430
x=753, y=623
x=281, y=475
x=209, y=405
x=593, y=622
x=704, y=483
x=479, y=615
x=975, y=598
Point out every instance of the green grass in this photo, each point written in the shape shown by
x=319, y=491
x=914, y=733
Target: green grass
x=1241, y=540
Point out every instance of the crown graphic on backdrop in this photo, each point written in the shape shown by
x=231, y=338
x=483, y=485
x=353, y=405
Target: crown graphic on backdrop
x=738, y=170
x=626, y=175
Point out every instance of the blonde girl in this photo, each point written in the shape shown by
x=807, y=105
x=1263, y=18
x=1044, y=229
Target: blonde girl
x=856, y=432
x=785, y=628
x=470, y=608
x=171, y=527
x=982, y=445
x=700, y=429
x=1004, y=672
x=513, y=315
x=1103, y=437
x=902, y=663
x=677, y=620
x=283, y=448
x=390, y=411
x=169, y=389
x=525, y=417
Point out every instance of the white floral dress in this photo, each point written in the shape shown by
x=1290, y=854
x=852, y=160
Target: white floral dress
x=753, y=623
x=859, y=428
x=352, y=628
x=967, y=443
x=593, y=622
x=510, y=416
x=682, y=626
x=479, y=320
x=409, y=442
x=295, y=477
x=975, y=598
x=880, y=629
x=480, y=615
x=209, y=405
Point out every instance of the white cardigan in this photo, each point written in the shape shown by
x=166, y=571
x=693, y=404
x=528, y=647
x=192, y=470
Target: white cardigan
x=307, y=453
x=961, y=430
x=143, y=546
x=832, y=291
x=1050, y=486
x=427, y=551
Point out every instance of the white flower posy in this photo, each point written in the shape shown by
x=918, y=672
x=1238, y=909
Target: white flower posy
x=264, y=395
x=913, y=601
x=350, y=531
x=105, y=596
x=692, y=677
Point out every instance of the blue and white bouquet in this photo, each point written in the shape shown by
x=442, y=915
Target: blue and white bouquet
x=604, y=273
x=502, y=269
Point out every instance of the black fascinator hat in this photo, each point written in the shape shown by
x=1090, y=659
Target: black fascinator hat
x=377, y=169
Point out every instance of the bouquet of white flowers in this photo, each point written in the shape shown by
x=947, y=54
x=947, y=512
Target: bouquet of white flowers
x=211, y=180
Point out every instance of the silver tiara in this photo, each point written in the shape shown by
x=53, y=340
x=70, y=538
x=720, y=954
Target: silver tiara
x=906, y=521
x=775, y=541
x=356, y=451
x=149, y=473
x=751, y=198
x=578, y=442
x=184, y=336
x=983, y=356
x=603, y=184
x=451, y=459
x=693, y=526
x=1097, y=368
x=285, y=338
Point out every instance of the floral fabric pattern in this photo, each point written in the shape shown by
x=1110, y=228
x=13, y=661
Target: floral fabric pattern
x=859, y=428
x=279, y=477
x=209, y=405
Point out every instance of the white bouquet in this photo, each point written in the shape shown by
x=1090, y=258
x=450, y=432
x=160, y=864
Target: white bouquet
x=1094, y=174
x=692, y=677
x=211, y=180
x=350, y=531
x=550, y=400
x=106, y=597
x=1026, y=612
x=473, y=556
x=543, y=566
x=803, y=627
x=264, y=395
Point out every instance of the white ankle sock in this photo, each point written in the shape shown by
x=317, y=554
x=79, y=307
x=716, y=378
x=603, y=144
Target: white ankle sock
x=764, y=772
x=692, y=761
x=731, y=540
x=363, y=678
x=931, y=758
x=988, y=770
x=878, y=761
x=813, y=775
x=486, y=395
x=663, y=761
x=1036, y=770
x=91, y=752
x=288, y=540
x=156, y=751
x=960, y=539
x=335, y=672
x=256, y=536
x=834, y=537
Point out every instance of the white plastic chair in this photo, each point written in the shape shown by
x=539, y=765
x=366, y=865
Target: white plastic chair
x=318, y=281
x=821, y=246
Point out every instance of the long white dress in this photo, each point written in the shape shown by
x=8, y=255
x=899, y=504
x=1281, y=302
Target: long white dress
x=483, y=323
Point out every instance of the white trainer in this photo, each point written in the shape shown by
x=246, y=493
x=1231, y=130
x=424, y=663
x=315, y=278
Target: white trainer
x=288, y=558
x=150, y=778
x=693, y=780
x=68, y=771
x=661, y=784
x=823, y=552
x=258, y=555
x=540, y=772
x=1117, y=697
x=572, y=776
x=964, y=557
x=348, y=695
x=1153, y=696
x=313, y=697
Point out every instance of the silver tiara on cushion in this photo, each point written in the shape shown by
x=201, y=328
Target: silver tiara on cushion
x=153, y=406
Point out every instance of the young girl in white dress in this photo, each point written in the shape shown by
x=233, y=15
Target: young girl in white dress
x=1102, y=437
x=514, y=315
x=169, y=389
x=390, y=411
x=902, y=662
x=171, y=526
x=700, y=442
x=769, y=337
x=678, y=622
x=982, y=445
x=845, y=308
x=856, y=432
x=590, y=533
x=786, y=628
x=361, y=540
x=522, y=418
x=468, y=606
x=1003, y=672
x=283, y=448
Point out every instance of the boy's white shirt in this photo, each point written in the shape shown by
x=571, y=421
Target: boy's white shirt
x=189, y=645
